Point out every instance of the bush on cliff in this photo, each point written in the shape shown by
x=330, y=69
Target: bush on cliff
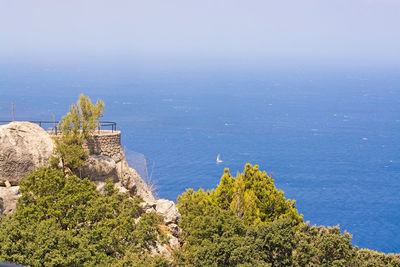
x=67, y=222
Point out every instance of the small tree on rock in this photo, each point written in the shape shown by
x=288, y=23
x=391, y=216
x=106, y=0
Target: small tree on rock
x=76, y=127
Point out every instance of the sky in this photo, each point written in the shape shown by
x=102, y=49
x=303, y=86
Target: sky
x=202, y=32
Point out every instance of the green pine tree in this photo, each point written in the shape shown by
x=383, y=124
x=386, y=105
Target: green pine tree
x=76, y=127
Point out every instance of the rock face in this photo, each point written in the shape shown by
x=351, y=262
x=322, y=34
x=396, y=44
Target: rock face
x=8, y=199
x=23, y=147
x=132, y=181
x=168, y=209
x=100, y=168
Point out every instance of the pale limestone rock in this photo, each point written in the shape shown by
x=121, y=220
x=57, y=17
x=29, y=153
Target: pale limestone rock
x=150, y=210
x=100, y=168
x=165, y=249
x=8, y=199
x=100, y=186
x=160, y=249
x=125, y=176
x=132, y=181
x=173, y=241
x=121, y=188
x=143, y=190
x=168, y=209
x=24, y=146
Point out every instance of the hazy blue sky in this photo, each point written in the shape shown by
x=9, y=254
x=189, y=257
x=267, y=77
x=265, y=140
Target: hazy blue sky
x=251, y=31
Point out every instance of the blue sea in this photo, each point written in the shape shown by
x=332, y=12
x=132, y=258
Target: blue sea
x=330, y=137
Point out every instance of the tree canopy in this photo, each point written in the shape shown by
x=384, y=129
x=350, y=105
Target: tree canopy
x=82, y=119
x=247, y=221
x=77, y=126
x=64, y=221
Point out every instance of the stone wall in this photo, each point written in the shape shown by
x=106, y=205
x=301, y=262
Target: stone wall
x=107, y=143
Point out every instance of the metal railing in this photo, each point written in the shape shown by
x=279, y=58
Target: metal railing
x=54, y=125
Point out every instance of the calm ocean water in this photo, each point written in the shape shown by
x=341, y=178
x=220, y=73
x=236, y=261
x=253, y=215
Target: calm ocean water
x=331, y=138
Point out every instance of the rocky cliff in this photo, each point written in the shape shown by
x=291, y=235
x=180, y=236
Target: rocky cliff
x=25, y=146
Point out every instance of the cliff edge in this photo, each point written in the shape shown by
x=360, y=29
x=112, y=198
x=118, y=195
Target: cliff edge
x=25, y=146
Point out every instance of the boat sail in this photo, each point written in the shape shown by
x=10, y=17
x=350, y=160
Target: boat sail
x=218, y=159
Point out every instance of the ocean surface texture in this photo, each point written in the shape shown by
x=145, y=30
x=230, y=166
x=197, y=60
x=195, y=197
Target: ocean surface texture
x=330, y=138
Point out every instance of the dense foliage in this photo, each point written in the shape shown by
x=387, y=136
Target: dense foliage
x=66, y=222
x=246, y=221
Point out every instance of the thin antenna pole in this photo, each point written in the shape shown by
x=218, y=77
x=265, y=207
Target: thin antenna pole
x=12, y=112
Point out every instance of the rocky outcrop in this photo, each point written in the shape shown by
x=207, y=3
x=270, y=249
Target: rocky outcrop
x=100, y=168
x=130, y=180
x=168, y=209
x=23, y=147
x=133, y=182
x=171, y=215
x=8, y=199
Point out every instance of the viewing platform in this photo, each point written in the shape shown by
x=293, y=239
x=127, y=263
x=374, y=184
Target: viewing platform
x=106, y=140
x=105, y=127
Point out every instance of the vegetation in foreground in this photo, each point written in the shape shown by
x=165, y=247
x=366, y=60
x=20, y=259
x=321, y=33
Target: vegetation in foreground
x=246, y=221
x=64, y=221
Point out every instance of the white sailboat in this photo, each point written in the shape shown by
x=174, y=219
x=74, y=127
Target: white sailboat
x=218, y=159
